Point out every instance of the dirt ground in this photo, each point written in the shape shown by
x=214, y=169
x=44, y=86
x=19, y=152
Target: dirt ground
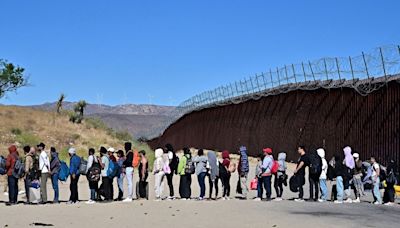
x=177, y=213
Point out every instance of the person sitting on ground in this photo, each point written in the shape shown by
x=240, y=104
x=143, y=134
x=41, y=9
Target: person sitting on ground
x=184, y=170
x=93, y=184
x=258, y=175
x=357, y=178
x=201, y=171
x=280, y=176
x=213, y=173
x=121, y=176
x=323, y=176
x=376, y=181
x=300, y=171
x=243, y=170
x=158, y=170
x=55, y=167
x=74, y=164
x=12, y=158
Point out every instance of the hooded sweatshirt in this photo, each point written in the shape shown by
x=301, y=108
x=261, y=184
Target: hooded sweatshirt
x=214, y=165
x=282, y=163
x=201, y=164
x=11, y=159
x=321, y=153
x=226, y=160
x=55, y=164
x=349, y=159
x=158, y=162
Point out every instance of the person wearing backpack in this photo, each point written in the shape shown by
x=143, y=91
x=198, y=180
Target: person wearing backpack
x=226, y=176
x=128, y=166
x=348, y=175
x=74, y=164
x=280, y=176
x=44, y=167
x=201, y=171
x=213, y=173
x=376, y=181
x=121, y=176
x=12, y=181
x=323, y=176
x=267, y=165
x=159, y=174
x=93, y=162
x=28, y=167
x=314, y=173
x=55, y=166
x=300, y=171
x=243, y=170
x=185, y=182
x=391, y=180
x=113, y=160
x=173, y=165
x=357, y=178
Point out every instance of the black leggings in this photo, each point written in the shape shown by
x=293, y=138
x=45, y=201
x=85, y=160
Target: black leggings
x=170, y=184
x=212, y=183
x=226, y=184
x=278, y=185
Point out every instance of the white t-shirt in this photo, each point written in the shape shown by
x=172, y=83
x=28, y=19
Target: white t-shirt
x=44, y=162
x=375, y=167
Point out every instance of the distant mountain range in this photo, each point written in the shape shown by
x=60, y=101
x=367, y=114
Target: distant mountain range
x=139, y=120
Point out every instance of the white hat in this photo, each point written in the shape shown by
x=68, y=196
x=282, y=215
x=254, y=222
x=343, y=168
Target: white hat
x=356, y=155
x=72, y=150
x=112, y=150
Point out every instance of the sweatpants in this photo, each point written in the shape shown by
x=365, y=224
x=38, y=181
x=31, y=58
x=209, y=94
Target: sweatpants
x=278, y=185
x=43, y=186
x=159, y=185
x=243, y=184
x=314, y=188
x=170, y=184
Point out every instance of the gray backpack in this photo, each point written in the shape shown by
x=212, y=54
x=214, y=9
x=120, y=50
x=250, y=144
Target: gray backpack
x=19, y=169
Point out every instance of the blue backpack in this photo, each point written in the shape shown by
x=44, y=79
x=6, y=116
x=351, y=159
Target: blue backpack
x=113, y=169
x=64, y=171
x=2, y=165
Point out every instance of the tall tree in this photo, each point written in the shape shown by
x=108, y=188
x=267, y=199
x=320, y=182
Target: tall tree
x=60, y=103
x=11, y=77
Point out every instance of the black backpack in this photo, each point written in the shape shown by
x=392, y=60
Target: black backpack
x=294, y=183
x=189, y=168
x=315, y=166
x=94, y=172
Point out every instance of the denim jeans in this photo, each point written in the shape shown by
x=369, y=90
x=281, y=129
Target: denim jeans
x=324, y=189
x=339, y=188
x=129, y=178
x=201, y=179
x=12, y=189
x=260, y=189
x=54, y=182
x=27, y=182
x=267, y=186
x=376, y=192
x=120, y=182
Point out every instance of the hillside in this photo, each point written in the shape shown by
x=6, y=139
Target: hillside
x=27, y=126
x=138, y=120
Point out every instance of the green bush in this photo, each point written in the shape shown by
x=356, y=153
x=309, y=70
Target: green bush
x=27, y=139
x=123, y=135
x=16, y=131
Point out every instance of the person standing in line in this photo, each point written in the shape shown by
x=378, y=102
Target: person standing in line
x=280, y=176
x=113, y=159
x=173, y=165
x=93, y=185
x=226, y=177
x=12, y=158
x=105, y=163
x=391, y=179
x=28, y=168
x=55, y=166
x=143, y=170
x=340, y=172
x=121, y=160
x=376, y=181
x=184, y=171
x=74, y=164
x=213, y=173
x=357, y=178
x=243, y=170
x=267, y=165
x=158, y=170
x=300, y=171
x=323, y=176
x=201, y=171
x=44, y=166
x=259, y=172
x=349, y=171
x=128, y=166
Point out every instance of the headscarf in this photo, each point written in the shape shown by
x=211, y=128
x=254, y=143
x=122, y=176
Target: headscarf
x=212, y=160
x=349, y=159
x=12, y=149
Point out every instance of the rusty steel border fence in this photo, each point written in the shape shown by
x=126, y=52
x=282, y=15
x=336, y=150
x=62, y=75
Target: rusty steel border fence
x=339, y=72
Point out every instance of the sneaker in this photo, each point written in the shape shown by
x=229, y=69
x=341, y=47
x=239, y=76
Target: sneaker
x=321, y=200
x=348, y=201
x=90, y=202
x=389, y=204
x=338, y=202
x=200, y=199
x=377, y=203
x=183, y=199
x=127, y=200
x=70, y=202
x=170, y=198
x=357, y=200
x=21, y=192
x=257, y=199
x=158, y=199
x=299, y=200
x=5, y=193
x=278, y=199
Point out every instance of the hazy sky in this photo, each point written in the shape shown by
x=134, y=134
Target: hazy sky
x=164, y=52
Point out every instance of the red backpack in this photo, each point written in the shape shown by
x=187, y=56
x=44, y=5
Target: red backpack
x=275, y=167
